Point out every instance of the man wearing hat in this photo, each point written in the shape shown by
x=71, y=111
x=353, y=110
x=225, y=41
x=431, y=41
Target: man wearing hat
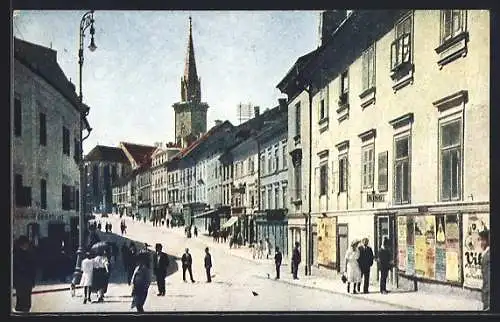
x=24, y=274
x=187, y=262
x=160, y=264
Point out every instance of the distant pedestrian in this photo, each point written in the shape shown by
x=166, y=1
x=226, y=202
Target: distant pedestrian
x=278, y=257
x=123, y=227
x=187, y=264
x=485, y=268
x=141, y=280
x=365, y=263
x=168, y=223
x=87, y=275
x=195, y=231
x=208, y=265
x=296, y=259
x=352, y=269
x=385, y=263
x=99, y=226
x=260, y=249
x=268, y=248
x=24, y=274
x=110, y=227
x=160, y=264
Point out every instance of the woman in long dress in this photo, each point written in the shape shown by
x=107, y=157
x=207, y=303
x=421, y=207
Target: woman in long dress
x=352, y=267
x=87, y=272
x=101, y=269
x=141, y=279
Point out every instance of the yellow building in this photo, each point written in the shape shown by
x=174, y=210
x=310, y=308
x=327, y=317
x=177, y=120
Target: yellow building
x=399, y=102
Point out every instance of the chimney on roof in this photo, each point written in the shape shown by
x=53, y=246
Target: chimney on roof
x=329, y=21
x=256, y=111
x=282, y=104
x=218, y=122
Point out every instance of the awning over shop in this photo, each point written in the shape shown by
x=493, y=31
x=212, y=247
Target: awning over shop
x=206, y=213
x=230, y=222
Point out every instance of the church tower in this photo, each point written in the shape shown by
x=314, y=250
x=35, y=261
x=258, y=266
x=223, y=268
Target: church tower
x=190, y=112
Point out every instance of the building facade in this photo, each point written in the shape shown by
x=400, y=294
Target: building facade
x=396, y=106
x=45, y=150
x=103, y=166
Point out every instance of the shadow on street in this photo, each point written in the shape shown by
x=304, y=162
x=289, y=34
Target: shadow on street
x=118, y=272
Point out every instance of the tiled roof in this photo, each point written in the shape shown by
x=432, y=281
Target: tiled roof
x=43, y=61
x=106, y=153
x=140, y=153
x=196, y=143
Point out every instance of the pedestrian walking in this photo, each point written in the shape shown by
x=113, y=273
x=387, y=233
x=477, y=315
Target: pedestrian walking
x=260, y=250
x=278, y=257
x=187, y=263
x=385, y=264
x=352, y=269
x=168, y=223
x=99, y=227
x=123, y=227
x=131, y=262
x=160, y=264
x=141, y=280
x=24, y=272
x=99, y=278
x=365, y=263
x=484, y=237
x=195, y=231
x=87, y=275
x=296, y=261
x=110, y=227
x=208, y=265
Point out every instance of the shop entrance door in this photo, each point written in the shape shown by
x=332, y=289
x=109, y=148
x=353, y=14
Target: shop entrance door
x=386, y=228
x=343, y=245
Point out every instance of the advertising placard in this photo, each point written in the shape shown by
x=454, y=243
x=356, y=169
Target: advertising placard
x=473, y=224
x=453, y=262
x=420, y=246
x=410, y=263
x=430, y=244
x=402, y=242
x=441, y=264
x=327, y=241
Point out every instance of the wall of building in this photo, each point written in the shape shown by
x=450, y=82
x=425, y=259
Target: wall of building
x=35, y=162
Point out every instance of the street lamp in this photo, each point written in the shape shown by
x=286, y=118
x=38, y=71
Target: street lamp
x=86, y=22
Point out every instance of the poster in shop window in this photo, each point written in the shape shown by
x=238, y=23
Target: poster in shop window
x=327, y=241
x=440, y=267
x=473, y=224
x=410, y=248
x=453, y=262
x=420, y=246
x=430, y=244
x=402, y=229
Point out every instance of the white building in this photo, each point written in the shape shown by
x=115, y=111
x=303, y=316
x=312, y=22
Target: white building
x=45, y=147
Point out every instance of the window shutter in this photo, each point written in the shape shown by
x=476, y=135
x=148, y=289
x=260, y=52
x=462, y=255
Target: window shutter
x=447, y=23
x=394, y=54
x=406, y=52
x=365, y=75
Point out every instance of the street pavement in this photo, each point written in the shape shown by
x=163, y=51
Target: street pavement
x=239, y=283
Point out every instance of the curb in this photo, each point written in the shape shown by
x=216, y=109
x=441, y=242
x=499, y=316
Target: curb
x=406, y=307
x=59, y=289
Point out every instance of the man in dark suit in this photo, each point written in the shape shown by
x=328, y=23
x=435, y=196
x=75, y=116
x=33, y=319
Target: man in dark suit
x=160, y=264
x=277, y=261
x=24, y=274
x=187, y=263
x=385, y=264
x=365, y=263
x=208, y=265
x=296, y=260
x=484, y=236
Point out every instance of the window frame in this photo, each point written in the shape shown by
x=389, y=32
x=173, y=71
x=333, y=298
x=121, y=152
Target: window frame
x=43, y=193
x=368, y=68
x=276, y=196
x=323, y=178
x=18, y=117
x=454, y=147
x=323, y=113
x=297, y=119
x=343, y=161
x=42, y=129
x=398, y=46
x=369, y=183
x=66, y=141
x=462, y=16
x=297, y=177
x=400, y=162
x=284, y=151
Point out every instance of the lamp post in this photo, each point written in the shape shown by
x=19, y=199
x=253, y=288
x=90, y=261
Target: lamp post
x=86, y=22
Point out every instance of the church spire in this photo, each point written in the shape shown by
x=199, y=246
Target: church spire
x=190, y=83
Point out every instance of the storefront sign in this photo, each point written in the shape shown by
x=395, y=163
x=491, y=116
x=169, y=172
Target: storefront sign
x=473, y=224
x=327, y=241
x=377, y=197
x=402, y=243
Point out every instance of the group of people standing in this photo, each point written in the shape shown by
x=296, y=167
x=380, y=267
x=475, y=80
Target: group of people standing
x=358, y=262
x=95, y=276
x=263, y=247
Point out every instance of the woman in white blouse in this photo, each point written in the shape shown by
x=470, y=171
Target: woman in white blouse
x=87, y=272
x=101, y=270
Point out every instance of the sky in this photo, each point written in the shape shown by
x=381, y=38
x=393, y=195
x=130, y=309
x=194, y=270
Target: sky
x=133, y=78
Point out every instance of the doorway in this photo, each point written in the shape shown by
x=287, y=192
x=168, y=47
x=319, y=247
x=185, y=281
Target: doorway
x=343, y=244
x=385, y=227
